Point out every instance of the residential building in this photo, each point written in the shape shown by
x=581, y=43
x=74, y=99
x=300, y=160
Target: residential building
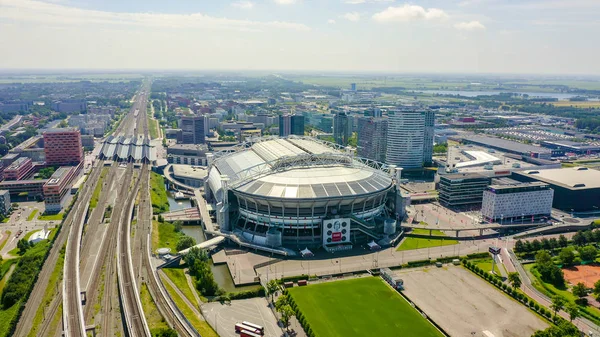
x=291, y=125
x=192, y=128
x=409, y=138
x=188, y=154
x=342, y=128
x=508, y=204
x=462, y=189
x=372, y=138
x=19, y=169
x=58, y=186
x=63, y=146
x=5, y=204
x=69, y=106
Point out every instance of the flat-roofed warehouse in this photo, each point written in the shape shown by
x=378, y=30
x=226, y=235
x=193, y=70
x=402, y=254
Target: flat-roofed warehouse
x=298, y=192
x=509, y=146
x=576, y=189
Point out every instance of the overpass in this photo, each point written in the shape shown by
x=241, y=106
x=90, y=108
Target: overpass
x=479, y=228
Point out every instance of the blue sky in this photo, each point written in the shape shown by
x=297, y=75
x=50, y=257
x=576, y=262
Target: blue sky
x=433, y=36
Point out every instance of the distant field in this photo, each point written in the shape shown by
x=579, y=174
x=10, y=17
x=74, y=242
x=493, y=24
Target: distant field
x=586, y=104
x=416, y=243
x=359, y=307
x=69, y=78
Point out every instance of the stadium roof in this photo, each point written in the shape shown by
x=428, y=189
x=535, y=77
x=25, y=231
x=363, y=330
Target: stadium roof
x=571, y=178
x=297, y=168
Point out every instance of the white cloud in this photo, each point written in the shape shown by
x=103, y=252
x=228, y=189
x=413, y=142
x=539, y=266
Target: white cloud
x=469, y=26
x=409, y=13
x=352, y=16
x=358, y=2
x=47, y=13
x=285, y=2
x=331, y=21
x=243, y=4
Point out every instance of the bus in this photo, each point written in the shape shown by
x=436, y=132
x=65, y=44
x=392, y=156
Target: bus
x=255, y=326
x=239, y=327
x=246, y=333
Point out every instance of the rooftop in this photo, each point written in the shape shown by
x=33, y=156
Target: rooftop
x=572, y=178
x=59, y=175
x=59, y=130
x=17, y=163
x=508, y=145
x=188, y=171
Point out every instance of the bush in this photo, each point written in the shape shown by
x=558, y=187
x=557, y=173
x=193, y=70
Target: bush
x=419, y=263
x=504, y=286
x=531, y=303
x=478, y=255
x=260, y=292
x=536, y=306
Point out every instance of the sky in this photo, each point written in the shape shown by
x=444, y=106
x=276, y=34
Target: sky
x=428, y=36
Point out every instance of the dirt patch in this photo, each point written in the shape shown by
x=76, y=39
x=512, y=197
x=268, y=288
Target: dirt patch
x=465, y=305
x=587, y=274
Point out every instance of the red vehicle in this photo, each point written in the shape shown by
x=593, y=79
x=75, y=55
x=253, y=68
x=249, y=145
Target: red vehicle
x=255, y=326
x=239, y=327
x=246, y=333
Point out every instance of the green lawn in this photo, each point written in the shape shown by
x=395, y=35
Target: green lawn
x=152, y=128
x=98, y=189
x=6, y=317
x=158, y=194
x=416, y=243
x=32, y=214
x=359, y=307
x=5, y=240
x=153, y=316
x=486, y=265
x=167, y=236
x=177, y=276
x=51, y=217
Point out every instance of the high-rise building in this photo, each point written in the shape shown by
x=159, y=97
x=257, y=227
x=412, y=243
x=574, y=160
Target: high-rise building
x=409, y=144
x=353, y=86
x=291, y=125
x=192, y=128
x=372, y=134
x=63, y=146
x=342, y=128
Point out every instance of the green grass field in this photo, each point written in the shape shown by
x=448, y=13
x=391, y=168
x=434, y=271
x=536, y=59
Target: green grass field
x=52, y=217
x=158, y=194
x=152, y=128
x=177, y=276
x=98, y=189
x=417, y=243
x=32, y=215
x=486, y=265
x=359, y=307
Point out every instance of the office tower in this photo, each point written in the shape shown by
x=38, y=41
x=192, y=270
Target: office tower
x=373, y=112
x=372, y=134
x=410, y=138
x=192, y=128
x=353, y=86
x=342, y=128
x=63, y=146
x=291, y=125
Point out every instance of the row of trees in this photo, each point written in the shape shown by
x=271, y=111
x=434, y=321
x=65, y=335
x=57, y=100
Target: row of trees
x=549, y=272
x=535, y=245
x=199, y=266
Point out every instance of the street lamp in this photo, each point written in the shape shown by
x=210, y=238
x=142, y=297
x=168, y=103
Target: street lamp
x=522, y=217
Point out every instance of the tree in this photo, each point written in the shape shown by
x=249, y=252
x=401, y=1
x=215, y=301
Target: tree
x=536, y=245
x=562, y=241
x=554, y=243
x=579, y=290
x=286, y=314
x=165, y=332
x=563, y=329
x=272, y=288
x=545, y=243
x=514, y=280
x=282, y=301
x=579, y=238
x=588, y=253
x=178, y=225
x=596, y=289
x=519, y=246
x=566, y=256
x=185, y=242
x=558, y=303
x=573, y=311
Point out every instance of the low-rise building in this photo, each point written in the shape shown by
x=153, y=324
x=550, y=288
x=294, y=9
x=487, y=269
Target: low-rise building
x=190, y=175
x=187, y=154
x=517, y=202
x=19, y=169
x=462, y=189
x=58, y=186
x=31, y=189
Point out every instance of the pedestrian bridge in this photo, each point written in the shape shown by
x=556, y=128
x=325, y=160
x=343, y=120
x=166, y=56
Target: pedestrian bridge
x=185, y=215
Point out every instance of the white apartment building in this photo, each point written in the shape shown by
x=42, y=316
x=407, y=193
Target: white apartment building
x=409, y=138
x=515, y=203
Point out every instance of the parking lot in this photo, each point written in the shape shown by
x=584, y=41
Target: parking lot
x=465, y=305
x=222, y=317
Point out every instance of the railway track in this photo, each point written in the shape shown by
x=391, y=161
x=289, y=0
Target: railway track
x=135, y=320
x=73, y=321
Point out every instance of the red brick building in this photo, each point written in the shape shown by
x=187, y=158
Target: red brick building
x=63, y=147
x=19, y=169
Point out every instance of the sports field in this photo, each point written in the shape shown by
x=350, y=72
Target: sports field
x=417, y=243
x=359, y=307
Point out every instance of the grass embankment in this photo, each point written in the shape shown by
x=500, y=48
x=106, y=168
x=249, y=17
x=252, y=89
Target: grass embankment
x=177, y=276
x=6, y=317
x=158, y=194
x=5, y=239
x=416, y=243
x=359, y=307
x=152, y=128
x=486, y=265
x=153, y=316
x=4, y=269
x=51, y=217
x=98, y=189
x=32, y=214
x=201, y=326
x=167, y=236
x=590, y=312
x=51, y=292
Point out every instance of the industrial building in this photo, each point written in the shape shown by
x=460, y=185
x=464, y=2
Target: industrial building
x=510, y=203
x=560, y=148
x=462, y=189
x=58, y=186
x=509, y=146
x=63, y=146
x=410, y=138
x=576, y=189
x=299, y=192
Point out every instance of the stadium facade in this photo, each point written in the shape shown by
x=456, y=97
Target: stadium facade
x=299, y=192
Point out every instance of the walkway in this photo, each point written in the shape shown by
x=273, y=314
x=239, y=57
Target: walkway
x=185, y=214
x=167, y=174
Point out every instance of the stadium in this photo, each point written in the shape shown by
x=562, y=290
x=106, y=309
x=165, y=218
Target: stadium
x=299, y=192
